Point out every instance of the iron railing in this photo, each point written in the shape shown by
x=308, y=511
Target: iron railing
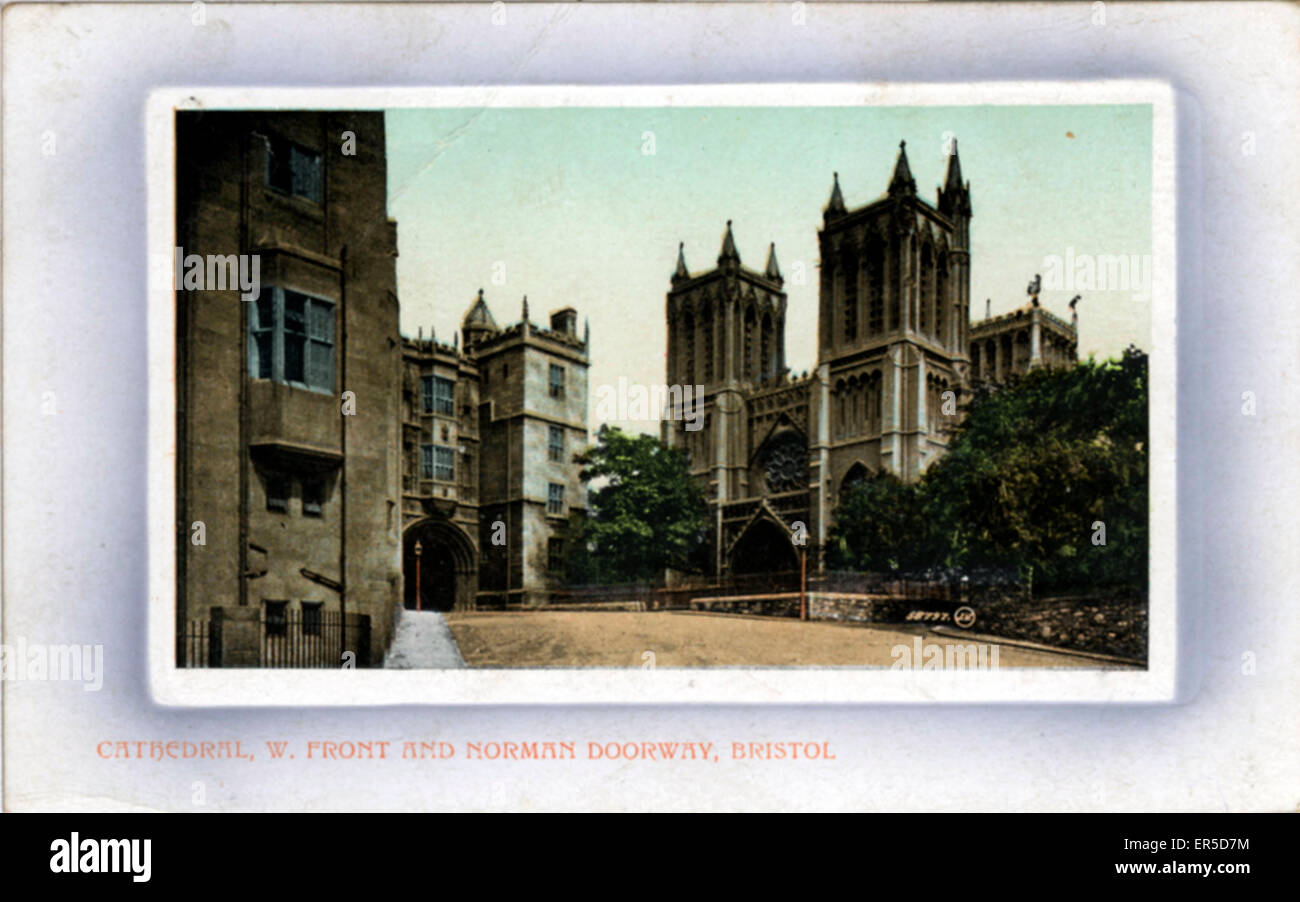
x=199, y=642
x=313, y=638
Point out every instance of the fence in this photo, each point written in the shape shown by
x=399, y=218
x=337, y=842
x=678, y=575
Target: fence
x=199, y=642
x=278, y=638
x=313, y=638
x=777, y=593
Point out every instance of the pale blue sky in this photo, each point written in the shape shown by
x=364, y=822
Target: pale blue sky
x=566, y=199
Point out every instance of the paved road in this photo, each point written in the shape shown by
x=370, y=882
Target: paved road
x=687, y=639
x=423, y=640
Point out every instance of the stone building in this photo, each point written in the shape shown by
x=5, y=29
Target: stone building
x=491, y=424
x=1026, y=338
x=316, y=446
x=896, y=350
x=298, y=502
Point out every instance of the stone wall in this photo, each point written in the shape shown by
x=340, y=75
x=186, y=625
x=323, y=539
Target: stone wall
x=1113, y=623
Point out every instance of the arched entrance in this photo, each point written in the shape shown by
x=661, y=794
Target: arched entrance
x=764, y=547
x=856, y=475
x=445, y=570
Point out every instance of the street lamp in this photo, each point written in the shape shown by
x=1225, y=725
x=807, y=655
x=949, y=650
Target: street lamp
x=419, y=550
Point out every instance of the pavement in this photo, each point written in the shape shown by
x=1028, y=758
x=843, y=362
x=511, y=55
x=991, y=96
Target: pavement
x=423, y=640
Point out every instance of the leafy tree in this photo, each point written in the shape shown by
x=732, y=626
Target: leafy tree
x=880, y=524
x=647, y=514
x=1030, y=470
x=1036, y=463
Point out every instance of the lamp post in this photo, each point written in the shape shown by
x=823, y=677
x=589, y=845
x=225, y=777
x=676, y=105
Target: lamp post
x=419, y=550
x=803, y=584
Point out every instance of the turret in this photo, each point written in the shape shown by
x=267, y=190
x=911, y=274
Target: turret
x=834, y=206
x=902, y=183
x=478, y=323
x=772, y=270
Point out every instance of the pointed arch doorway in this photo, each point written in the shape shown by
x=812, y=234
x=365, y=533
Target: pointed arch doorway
x=764, y=547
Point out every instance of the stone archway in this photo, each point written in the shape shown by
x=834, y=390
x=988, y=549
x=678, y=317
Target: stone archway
x=764, y=547
x=448, y=568
x=856, y=474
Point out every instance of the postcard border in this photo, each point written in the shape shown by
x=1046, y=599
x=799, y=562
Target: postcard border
x=813, y=685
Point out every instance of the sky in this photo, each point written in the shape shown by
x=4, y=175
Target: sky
x=585, y=207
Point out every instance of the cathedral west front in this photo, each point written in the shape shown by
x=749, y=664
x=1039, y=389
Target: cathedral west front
x=896, y=352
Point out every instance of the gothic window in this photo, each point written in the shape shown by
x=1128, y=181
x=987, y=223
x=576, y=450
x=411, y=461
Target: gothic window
x=895, y=284
x=688, y=326
x=766, y=361
x=747, y=360
x=875, y=289
x=849, y=277
x=840, y=409
x=785, y=463
x=942, y=314
x=858, y=398
x=708, y=345
x=927, y=294
x=875, y=403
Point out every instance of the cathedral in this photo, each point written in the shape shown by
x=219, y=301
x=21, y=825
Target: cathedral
x=896, y=352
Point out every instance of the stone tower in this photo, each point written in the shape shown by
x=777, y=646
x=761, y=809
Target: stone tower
x=893, y=313
x=726, y=335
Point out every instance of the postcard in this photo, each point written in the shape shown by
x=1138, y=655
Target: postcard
x=781, y=393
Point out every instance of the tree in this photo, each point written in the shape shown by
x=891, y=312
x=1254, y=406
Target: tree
x=646, y=516
x=1037, y=463
x=880, y=525
x=1035, y=472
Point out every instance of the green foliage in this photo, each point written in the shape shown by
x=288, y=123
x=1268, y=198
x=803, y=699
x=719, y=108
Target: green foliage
x=880, y=525
x=1029, y=471
x=647, y=515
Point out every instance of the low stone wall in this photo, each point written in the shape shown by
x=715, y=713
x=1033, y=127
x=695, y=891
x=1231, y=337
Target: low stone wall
x=853, y=608
x=1112, y=624
x=768, y=607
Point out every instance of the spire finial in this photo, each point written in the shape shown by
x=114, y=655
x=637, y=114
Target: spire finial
x=836, y=204
x=902, y=182
x=728, y=247
x=681, y=272
x=772, y=271
x=954, y=196
x=525, y=308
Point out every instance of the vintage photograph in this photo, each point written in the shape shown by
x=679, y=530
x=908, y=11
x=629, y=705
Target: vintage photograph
x=684, y=386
